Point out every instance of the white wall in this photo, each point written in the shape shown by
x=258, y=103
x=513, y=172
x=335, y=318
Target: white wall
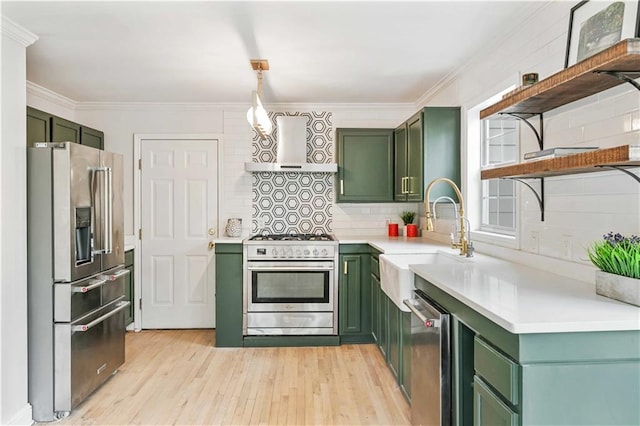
x=578, y=209
x=14, y=408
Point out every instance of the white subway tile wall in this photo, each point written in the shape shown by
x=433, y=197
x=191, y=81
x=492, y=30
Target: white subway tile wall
x=580, y=209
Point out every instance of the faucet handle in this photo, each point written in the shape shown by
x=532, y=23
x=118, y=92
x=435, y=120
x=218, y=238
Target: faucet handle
x=470, y=249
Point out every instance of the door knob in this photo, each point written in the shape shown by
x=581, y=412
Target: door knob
x=211, y=245
x=212, y=231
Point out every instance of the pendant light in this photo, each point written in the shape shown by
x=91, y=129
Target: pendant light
x=257, y=116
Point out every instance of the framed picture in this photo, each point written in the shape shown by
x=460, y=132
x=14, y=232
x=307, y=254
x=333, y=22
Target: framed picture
x=596, y=25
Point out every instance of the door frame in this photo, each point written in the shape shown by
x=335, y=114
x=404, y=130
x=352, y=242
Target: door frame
x=138, y=138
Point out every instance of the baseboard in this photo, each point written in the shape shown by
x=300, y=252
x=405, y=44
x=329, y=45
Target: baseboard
x=276, y=341
x=24, y=417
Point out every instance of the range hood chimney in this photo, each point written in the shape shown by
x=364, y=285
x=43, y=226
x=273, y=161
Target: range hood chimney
x=292, y=150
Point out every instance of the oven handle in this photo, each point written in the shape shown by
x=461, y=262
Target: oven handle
x=278, y=266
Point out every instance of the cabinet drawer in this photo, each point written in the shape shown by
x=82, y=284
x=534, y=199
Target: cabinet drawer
x=488, y=409
x=375, y=267
x=497, y=370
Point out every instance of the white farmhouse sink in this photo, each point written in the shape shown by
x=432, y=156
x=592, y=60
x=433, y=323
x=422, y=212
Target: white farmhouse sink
x=396, y=279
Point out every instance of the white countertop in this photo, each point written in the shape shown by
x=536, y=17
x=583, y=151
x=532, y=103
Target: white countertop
x=519, y=298
x=527, y=300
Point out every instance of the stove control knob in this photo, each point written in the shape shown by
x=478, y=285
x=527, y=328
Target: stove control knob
x=289, y=253
x=274, y=251
x=298, y=252
x=324, y=252
x=306, y=252
x=315, y=252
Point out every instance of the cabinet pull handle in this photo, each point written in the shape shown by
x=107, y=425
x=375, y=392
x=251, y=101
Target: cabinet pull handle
x=345, y=268
x=402, y=185
x=405, y=185
x=341, y=186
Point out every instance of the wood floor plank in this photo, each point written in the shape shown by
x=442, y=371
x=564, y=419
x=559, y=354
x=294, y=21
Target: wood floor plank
x=179, y=377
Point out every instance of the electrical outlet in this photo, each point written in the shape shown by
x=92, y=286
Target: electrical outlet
x=566, y=246
x=534, y=241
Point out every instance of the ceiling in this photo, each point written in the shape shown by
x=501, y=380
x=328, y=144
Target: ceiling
x=318, y=52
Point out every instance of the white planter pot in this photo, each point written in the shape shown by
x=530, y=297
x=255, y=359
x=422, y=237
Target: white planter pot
x=618, y=287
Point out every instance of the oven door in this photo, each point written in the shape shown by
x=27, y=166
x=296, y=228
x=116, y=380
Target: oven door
x=290, y=286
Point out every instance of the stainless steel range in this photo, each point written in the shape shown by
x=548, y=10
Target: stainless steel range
x=290, y=285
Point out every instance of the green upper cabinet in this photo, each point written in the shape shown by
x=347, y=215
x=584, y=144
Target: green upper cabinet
x=64, y=130
x=365, y=165
x=441, y=129
x=354, y=294
x=38, y=126
x=408, y=147
x=91, y=137
x=45, y=127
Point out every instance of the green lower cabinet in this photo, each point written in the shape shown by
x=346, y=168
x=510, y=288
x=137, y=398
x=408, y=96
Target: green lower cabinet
x=383, y=309
x=405, y=355
x=354, y=295
x=571, y=378
x=393, y=351
x=228, y=295
x=129, y=292
x=375, y=308
x=488, y=409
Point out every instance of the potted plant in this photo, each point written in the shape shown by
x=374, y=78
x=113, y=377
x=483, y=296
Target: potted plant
x=618, y=258
x=407, y=217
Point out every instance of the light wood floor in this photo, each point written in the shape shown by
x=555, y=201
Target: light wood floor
x=179, y=377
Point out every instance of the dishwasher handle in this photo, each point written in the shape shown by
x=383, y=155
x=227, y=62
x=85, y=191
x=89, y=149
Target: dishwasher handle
x=428, y=322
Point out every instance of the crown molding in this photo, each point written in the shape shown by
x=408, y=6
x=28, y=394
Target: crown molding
x=311, y=106
x=51, y=96
x=159, y=106
x=536, y=9
x=17, y=33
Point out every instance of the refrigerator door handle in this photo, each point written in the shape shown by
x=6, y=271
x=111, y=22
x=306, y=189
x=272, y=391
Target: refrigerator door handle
x=107, y=209
x=108, y=225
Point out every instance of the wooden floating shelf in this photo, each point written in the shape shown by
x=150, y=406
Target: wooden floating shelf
x=573, y=83
x=585, y=162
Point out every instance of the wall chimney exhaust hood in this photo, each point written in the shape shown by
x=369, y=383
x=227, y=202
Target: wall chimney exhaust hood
x=292, y=150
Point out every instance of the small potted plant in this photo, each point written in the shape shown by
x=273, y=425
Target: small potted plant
x=618, y=258
x=407, y=217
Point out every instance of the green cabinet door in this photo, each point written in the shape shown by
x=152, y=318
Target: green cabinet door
x=383, y=341
x=488, y=409
x=91, y=137
x=365, y=165
x=405, y=354
x=393, y=350
x=354, y=294
x=228, y=295
x=441, y=148
x=400, y=163
x=408, y=157
x=129, y=292
x=38, y=126
x=415, y=143
x=64, y=130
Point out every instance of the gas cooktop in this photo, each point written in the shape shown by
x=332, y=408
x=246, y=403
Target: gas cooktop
x=292, y=237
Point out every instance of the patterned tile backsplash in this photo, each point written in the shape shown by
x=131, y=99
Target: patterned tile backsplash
x=294, y=202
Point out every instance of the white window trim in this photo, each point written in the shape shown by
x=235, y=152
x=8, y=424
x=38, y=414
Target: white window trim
x=474, y=183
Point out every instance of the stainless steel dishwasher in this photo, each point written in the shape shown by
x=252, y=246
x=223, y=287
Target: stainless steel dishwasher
x=430, y=362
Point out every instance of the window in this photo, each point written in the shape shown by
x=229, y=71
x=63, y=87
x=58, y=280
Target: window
x=500, y=141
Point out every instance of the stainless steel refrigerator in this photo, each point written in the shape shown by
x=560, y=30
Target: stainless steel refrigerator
x=76, y=275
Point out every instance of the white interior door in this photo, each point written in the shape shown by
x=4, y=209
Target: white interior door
x=178, y=218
